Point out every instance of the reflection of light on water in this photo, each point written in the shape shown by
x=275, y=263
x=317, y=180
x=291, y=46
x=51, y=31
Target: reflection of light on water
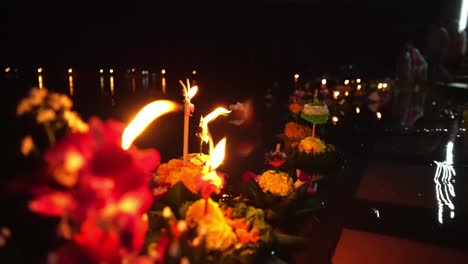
x=145, y=81
x=70, y=84
x=444, y=188
x=133, y=84
x=163, y=85
x=112, y=88
x=101, y=83
x=40, y=81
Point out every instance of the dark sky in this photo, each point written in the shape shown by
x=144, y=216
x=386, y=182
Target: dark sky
x=299, y=33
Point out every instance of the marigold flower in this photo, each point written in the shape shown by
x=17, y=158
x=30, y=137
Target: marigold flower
x=196, y=211
x=295, y=131
x=312, y=145
x=295, y=108
x=176, y=170
x=278, y=183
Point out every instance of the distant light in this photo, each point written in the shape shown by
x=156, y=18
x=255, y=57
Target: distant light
x=111, y=71
x=358, y=110
x=7, y=69
x=359, y=87
x=70, y=70
x=334, y=119
x=39, y=70
x=144, y=72
x=296, y=76
x=163, y=71
x=346, y=93
x=336, y=94
x=358, y=80
x=384, y=85
x=379, y=115
x=101, y=71
x=346, y=82
x=194, y=72
x=133, y=69
x=324, y=81
x=463, y=15
x=380, y=86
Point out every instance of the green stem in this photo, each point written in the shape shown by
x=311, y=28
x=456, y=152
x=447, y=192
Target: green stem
x=50, y=133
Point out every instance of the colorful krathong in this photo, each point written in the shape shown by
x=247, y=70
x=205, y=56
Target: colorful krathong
x=117, y=204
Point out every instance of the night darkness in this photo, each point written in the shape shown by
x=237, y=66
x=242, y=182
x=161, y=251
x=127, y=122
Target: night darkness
x=275, y=35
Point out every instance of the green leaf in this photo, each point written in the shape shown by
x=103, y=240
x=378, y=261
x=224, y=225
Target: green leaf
x=177, y=195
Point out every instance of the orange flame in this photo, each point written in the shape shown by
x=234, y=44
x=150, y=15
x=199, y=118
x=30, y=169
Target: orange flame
x=146, y=115
x=216, y=158
x=205, y=136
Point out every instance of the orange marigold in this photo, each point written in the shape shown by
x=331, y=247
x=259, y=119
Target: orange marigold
x=295, y=108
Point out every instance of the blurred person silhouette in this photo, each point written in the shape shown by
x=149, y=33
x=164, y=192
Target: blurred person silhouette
x=457, y=47
x=437, y=43
x=411, y=76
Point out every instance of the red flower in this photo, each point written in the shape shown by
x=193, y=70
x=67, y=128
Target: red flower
x=302, y=176
x=248, y=175
x=110, y=190
x=52, y=204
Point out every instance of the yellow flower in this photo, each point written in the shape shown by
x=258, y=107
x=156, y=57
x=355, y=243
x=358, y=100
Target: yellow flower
x=295, y=108
x=212, y=226
x=176, y=170
x=278, y=183
x=45, y=115
x=37, y=95
x=23, y=107
x=312, y=145
x=217, y=233
x=58, y=101
x=74, y=121
x=295, y=131
x=27, y=145
x=196, y=212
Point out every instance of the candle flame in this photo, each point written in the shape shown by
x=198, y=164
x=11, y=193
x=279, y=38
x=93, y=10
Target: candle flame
x=217, y=154
x=216, y=158
x=192, y=92
x=210, y=117
x=144, y=117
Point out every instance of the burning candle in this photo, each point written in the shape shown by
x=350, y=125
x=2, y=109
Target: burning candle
x=205, y=134
x=144, y=117
x=210, y=179
x=189, y=93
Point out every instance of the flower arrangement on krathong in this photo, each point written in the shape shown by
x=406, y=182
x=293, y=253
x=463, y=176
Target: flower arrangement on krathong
x=284, y=193
x=190, y=220
x=101, y=194
x=305, y=150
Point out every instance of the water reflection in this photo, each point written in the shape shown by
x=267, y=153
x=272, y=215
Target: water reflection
x=163, y=81
x=444, y=187
x=70, y=85
x=40, y=81
x=101, y=85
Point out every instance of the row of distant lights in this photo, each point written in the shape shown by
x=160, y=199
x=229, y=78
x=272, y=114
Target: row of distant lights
x=101, y=71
